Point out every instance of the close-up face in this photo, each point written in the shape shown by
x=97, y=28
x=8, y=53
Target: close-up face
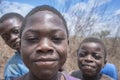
x=9, y=31
x=90, y=58
x=44, y=44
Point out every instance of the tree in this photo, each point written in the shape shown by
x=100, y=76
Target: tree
x=85, y=18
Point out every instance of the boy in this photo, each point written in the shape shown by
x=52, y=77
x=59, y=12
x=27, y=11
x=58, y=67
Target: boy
x=9, y=31
x=44, y=43
x=91, y=57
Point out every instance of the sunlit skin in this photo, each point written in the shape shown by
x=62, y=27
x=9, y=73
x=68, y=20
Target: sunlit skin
x=9, y=31
x=44, y=45
x=90, y=60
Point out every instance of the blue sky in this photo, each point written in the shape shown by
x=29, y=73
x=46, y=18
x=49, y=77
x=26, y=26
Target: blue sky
x=113, y=4
x=104, y=20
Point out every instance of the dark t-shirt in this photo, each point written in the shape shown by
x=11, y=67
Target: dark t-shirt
x=78, y=74
x=66, y=76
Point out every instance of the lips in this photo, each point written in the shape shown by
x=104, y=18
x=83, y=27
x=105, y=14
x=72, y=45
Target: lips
x=88, y=67
x=46, y=59
x=15, y=45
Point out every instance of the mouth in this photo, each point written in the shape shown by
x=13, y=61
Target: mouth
x=45, y=61
x=88, y=67
x=15, y=45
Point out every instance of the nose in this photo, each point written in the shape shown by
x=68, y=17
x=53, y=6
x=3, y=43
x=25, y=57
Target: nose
x=45, y=46
x=89, y=58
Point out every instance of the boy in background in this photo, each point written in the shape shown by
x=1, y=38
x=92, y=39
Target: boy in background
x=10, y=25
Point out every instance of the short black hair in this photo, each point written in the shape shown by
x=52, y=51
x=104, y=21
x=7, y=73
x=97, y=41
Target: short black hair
x=43, y=8
x=95, y=40
x=11, y=15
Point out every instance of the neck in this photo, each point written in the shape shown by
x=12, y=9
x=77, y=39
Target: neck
x=30, y=76
x=96, y=77
x=18, y=51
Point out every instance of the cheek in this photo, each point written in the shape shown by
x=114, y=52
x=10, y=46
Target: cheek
x=26, y=48
x=79, y=61
x=26, y=52
x=62, y=52
x=100, y=64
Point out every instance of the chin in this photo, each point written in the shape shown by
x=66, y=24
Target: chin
x=90, y=74
x=46, y=74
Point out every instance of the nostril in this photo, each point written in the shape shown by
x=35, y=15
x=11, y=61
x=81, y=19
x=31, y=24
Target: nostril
x=50, y=51
x=89, y=61
x=39, y=51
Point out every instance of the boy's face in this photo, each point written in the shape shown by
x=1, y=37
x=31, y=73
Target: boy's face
x=90, y=58
x=44, y=44
x=9, y=31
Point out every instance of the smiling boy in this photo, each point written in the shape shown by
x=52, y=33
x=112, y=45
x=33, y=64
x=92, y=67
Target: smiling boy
x=91, y=57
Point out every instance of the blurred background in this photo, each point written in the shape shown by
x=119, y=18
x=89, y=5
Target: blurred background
x=85, y=18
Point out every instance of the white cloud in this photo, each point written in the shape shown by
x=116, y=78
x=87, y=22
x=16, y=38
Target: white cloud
x=87, y=6
x=97, y=3
x=72, y=21
x=79, y=6
x=97, y=23
x=117, y=12
x=20, y=8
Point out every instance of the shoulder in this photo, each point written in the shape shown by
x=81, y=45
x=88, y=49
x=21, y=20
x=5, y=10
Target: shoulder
x=14, y=68
x=68, y=77
x=110, y=66
x=110, y=70
x=13, y=62
x=105, y=77
x=15, y=58
x=76, y=74
x=10, y=64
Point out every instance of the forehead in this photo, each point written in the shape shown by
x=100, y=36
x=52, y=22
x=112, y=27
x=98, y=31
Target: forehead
x=45, y=18
x=91, y=45
x=10, y=23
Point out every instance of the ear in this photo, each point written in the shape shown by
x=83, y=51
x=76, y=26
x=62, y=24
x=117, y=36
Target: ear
x=105, y=61
x=77, y=51
x=68, y=41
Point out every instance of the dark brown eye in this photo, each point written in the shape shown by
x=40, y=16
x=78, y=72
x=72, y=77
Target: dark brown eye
x=16, y=31
x=81, y=54
x=57, y=39
x=5, y=37
x=97, y=56
x=33, y=39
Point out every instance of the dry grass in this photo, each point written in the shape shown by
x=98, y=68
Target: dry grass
x=5, y=54
x=71, y=63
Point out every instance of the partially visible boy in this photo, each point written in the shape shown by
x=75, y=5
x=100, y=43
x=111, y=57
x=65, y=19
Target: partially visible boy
x=110, y=70
x=91, y=57
x=10, y=25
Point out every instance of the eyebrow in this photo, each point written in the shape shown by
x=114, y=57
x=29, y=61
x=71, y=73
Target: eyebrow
x=54, y=30
x=30, y=31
